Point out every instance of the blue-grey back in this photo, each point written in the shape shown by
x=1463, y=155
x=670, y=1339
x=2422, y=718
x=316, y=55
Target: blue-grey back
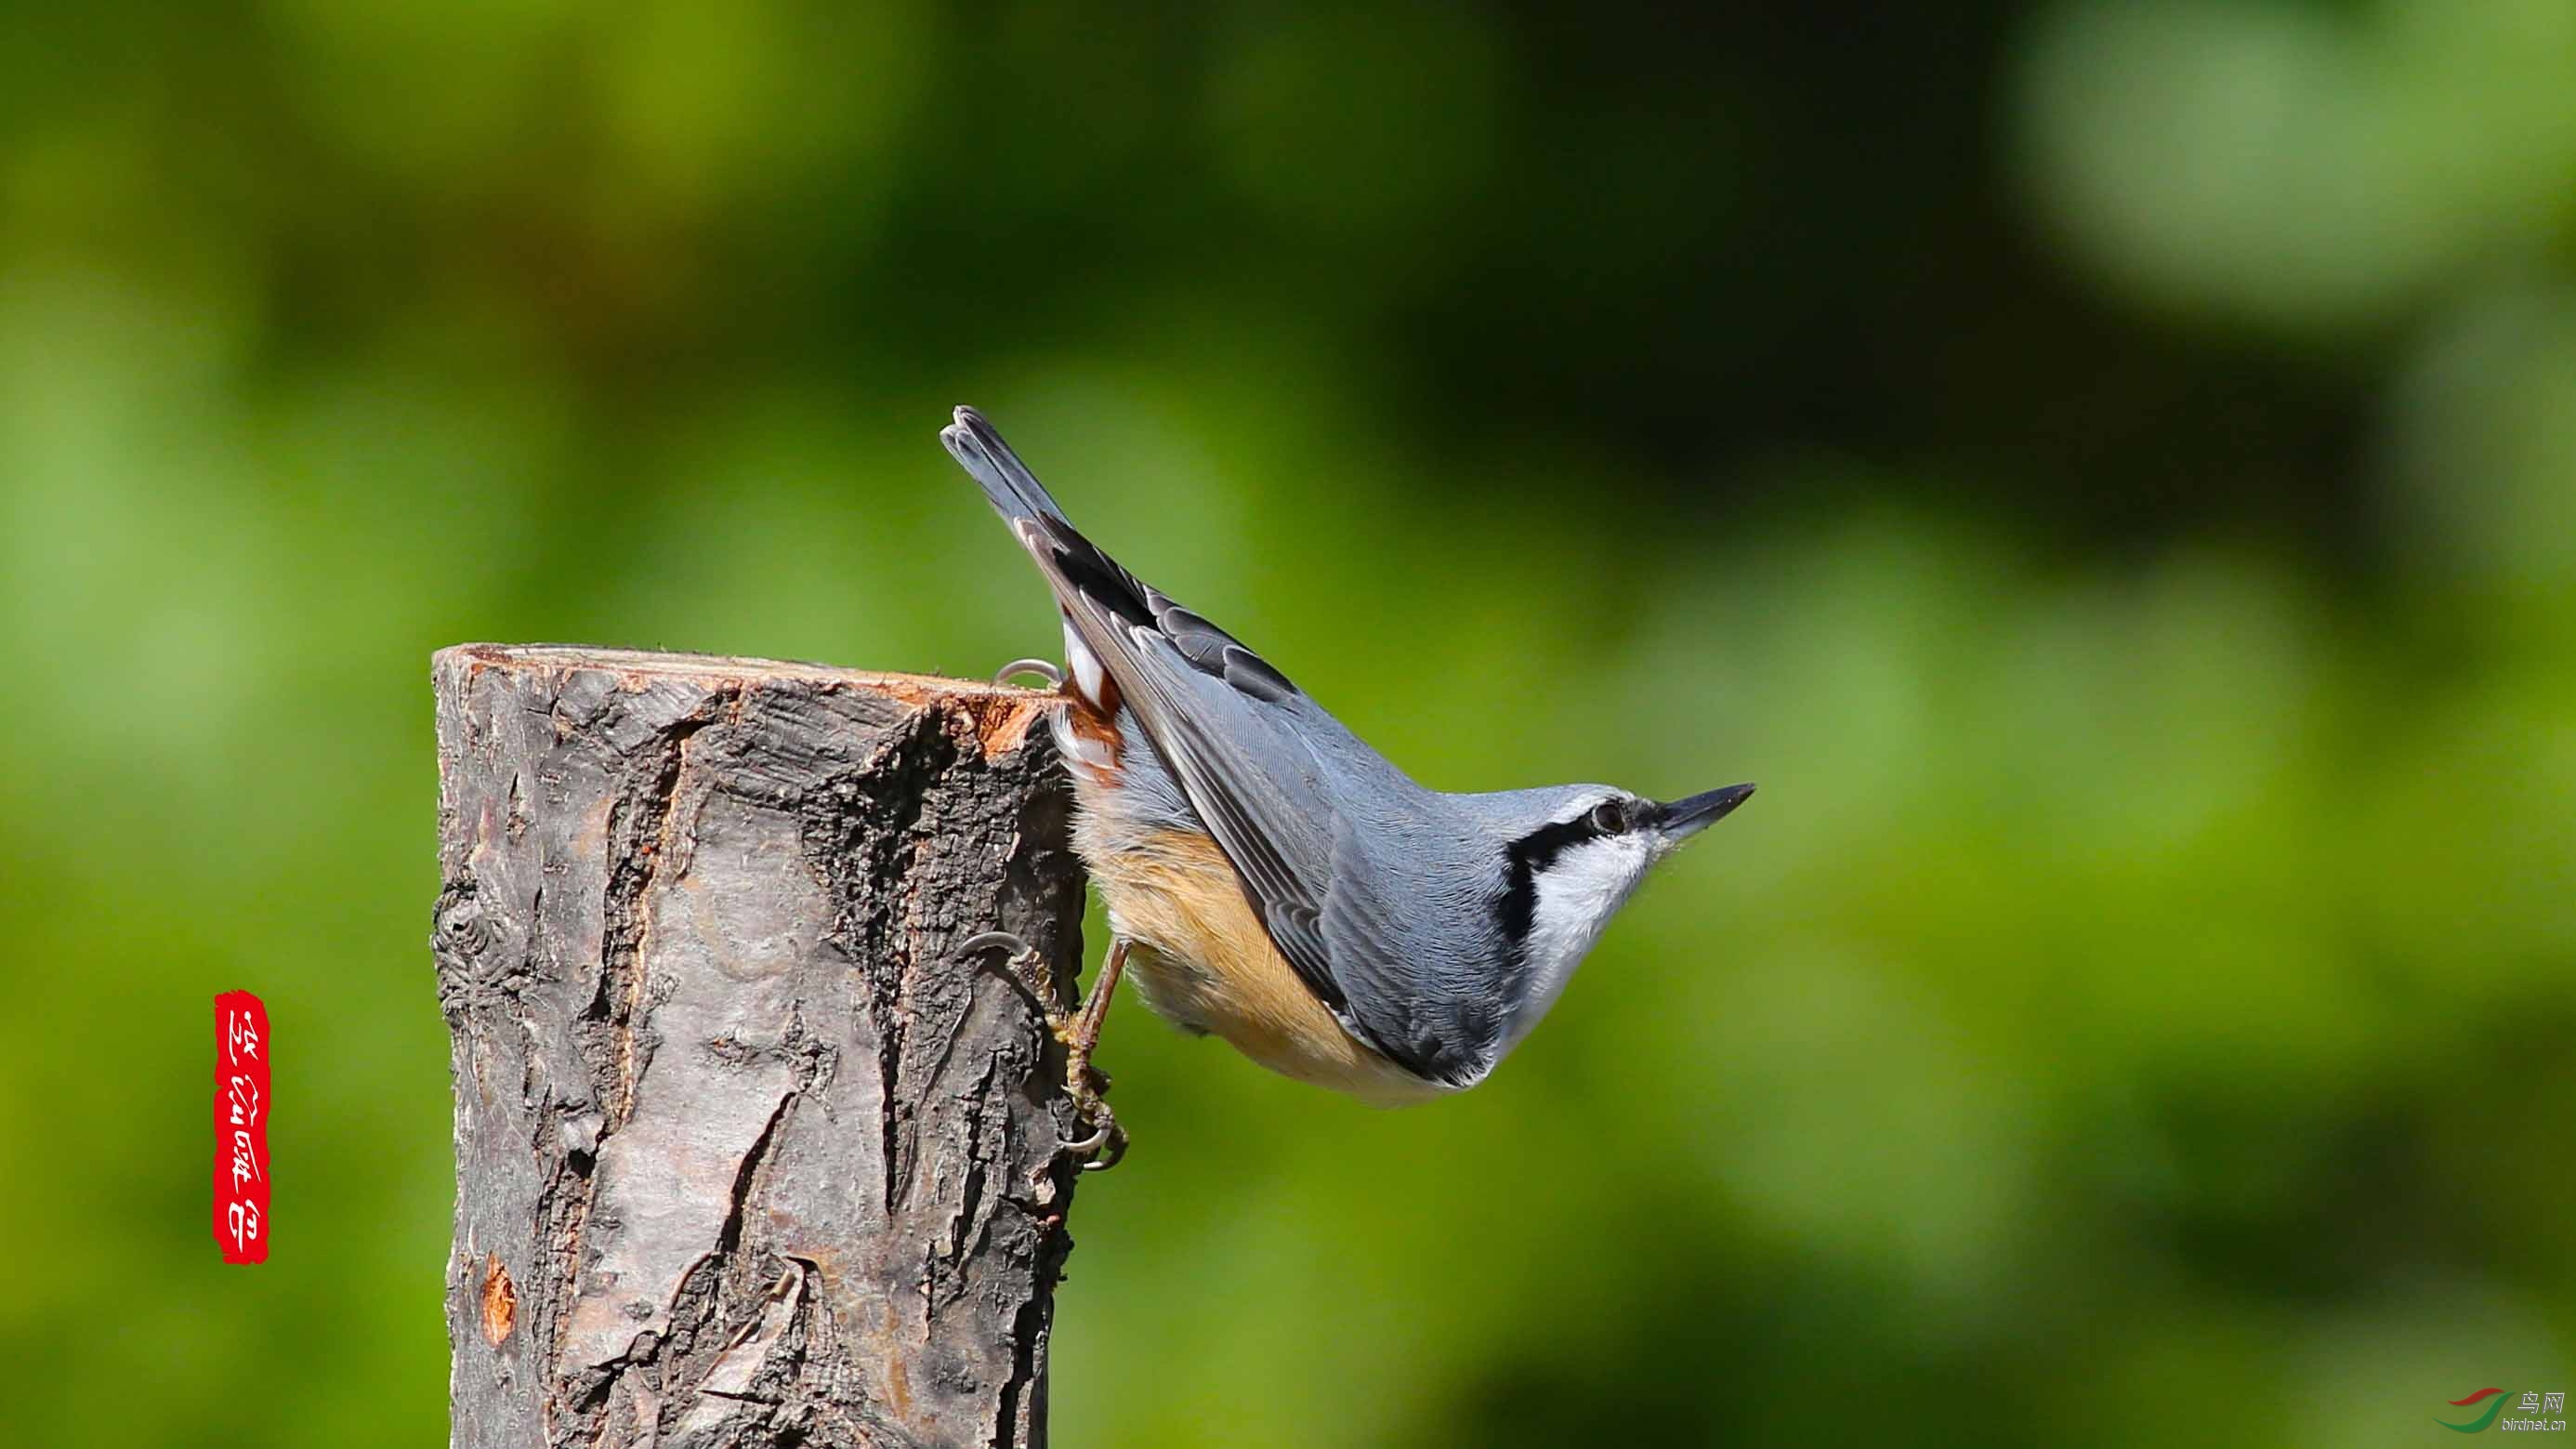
x=1410, y=877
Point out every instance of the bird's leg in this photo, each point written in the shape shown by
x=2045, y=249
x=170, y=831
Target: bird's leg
x=1078, y=1029
x=1087, y=1084
x=1053, y=676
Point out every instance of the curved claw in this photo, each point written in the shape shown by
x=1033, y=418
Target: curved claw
x=1039, y=667
x=996, y=940
x=1117, y=1151
x=1108, y=1136
x=1011, y=969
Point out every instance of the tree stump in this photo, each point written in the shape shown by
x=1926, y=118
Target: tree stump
x=746, y=1152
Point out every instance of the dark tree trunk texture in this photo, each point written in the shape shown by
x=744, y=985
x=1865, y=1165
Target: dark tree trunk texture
x=745, y=1153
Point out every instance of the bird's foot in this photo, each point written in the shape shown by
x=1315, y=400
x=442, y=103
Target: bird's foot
x=1079, y=1031
x=1107, y=1141
x=1024, y=968
x=1087, y=1084
x=1053, y=676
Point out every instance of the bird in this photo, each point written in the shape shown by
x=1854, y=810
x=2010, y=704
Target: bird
x=1270, y=878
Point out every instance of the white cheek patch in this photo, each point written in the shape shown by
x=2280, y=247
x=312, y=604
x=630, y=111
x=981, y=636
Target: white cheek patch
x=1088, y=677
x=1578, y=893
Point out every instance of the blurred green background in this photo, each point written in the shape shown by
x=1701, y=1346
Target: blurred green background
x=2108, y=471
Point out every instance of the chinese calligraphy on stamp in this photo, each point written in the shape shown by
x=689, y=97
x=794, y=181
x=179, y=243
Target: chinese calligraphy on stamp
x=241, y=1127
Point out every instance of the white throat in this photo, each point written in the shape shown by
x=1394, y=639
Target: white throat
x=1578, y=893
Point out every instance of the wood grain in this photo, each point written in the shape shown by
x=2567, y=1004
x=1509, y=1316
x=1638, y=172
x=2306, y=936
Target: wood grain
x=748, y=1153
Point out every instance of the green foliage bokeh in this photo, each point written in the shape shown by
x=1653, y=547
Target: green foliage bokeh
x=2107, y=470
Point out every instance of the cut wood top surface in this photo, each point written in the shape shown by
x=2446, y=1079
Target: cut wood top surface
x=1003, y=712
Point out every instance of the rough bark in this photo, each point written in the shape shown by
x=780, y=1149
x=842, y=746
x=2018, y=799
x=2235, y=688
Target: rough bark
x=745, y=1153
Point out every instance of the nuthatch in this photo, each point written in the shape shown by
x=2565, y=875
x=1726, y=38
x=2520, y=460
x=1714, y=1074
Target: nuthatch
x=1274, y=880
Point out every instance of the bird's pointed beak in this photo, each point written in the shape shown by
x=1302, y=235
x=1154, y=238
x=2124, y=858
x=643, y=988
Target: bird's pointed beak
x=1681, y=819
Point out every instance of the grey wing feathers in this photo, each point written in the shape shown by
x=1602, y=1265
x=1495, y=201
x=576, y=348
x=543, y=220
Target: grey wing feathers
x=1211, y=707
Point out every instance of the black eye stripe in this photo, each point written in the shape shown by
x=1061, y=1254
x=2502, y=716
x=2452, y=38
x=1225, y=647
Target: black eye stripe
x=1523, y=859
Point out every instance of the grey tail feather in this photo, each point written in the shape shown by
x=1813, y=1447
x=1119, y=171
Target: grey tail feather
x=1005, y=479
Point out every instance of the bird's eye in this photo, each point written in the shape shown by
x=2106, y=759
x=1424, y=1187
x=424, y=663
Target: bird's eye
x=1610, y=817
